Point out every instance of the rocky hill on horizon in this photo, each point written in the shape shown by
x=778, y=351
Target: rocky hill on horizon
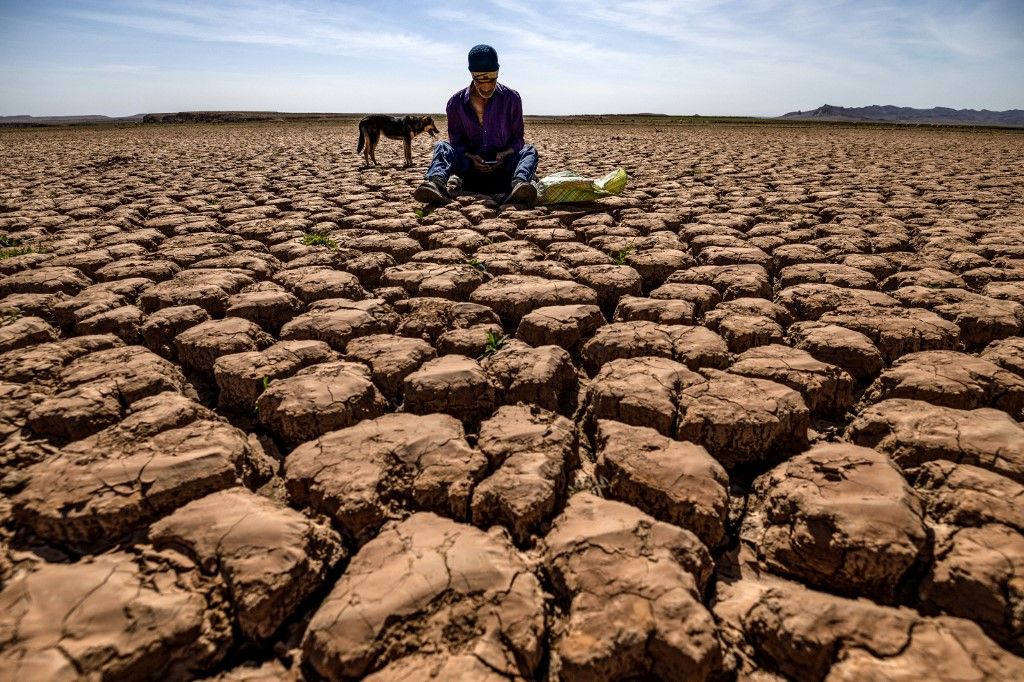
x=894, y=114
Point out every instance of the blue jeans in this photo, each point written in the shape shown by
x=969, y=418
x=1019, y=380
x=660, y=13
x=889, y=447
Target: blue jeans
x=447, y=162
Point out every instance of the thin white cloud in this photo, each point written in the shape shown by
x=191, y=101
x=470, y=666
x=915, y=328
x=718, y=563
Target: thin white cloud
x=272, y=25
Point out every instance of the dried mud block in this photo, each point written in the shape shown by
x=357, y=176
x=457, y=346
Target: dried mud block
x=632, y=587
x=797, y=254
x=924, y=277
x=661, y=311
x=978, y=574
x=611, y=282
x=839, y=517
x=845, y=348
x=1009, y=291
x=641, y=392
x=731, y=281
x=115, y=616
x=675, y=482
x=451, y=384
x=463, y=239
x=950, y=379
x=513, y=296
x=693, y=346
x=759, y=307
x=1008, y=354
x=430, y=595
x=365, y=474
x=543, y=376
x=968, y=496
x=913, y=432
x=811, y=301
x=575, y=254
x=242, y=377
x=24, y=332
x=370, y=268
x=160, y=328
x=897, y=331
x=268, y=308
x=390, y=359
x=826, y=389
x=827, y=273
x=734, y=255
x=42, y=363
x=158, y=270
x=702, y=297
x=532, y=452
x=124, y=322
x=743, y=332
x=99, y=387
x=270, y=671
x=742, y=420
x=471, y=341
x=143, y=420
x=429, y=318
x=318, y=399
x=207, y=288
x=981, y=319
x=314, y=283
x=95, y=498
x=566, y=326
x=656, y=265
x=338, y=321
x=809, y=635
x=270, y=557
x=45, y=280
x=199, y=347
x=37, y=305
x=454, y=282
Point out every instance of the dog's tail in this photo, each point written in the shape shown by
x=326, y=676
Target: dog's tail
x=362, y=134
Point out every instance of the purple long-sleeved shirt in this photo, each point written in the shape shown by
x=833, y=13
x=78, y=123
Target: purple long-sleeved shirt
x=502, y=128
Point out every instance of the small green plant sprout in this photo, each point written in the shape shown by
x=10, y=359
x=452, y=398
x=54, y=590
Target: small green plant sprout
x=265, y=383
x=7, y=241
x=12, y=251
x=619, y=257
x=695, y=171
x=474, y=262
x=319, y=239
x=495, y=342
x=9, y=315
x=419, y=213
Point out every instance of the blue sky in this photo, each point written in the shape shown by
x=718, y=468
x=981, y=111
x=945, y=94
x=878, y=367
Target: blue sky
x=564, y=56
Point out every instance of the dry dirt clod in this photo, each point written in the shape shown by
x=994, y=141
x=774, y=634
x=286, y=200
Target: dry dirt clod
x=430, y=594
x=632, y=587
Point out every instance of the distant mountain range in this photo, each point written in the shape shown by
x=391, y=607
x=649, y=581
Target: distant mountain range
x=825, y=113
x=891, y=114
x=38, y=121
x=25, y=121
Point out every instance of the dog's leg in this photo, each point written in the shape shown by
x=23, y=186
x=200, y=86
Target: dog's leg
x=408, y=151
x=374, y=139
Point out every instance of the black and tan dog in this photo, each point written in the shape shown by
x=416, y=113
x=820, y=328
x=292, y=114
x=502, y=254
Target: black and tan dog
x=394, y=127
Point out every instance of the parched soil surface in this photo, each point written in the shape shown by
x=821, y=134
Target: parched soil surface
x=757, y=418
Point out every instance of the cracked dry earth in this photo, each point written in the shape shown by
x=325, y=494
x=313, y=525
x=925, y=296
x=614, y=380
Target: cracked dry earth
x=758, y=418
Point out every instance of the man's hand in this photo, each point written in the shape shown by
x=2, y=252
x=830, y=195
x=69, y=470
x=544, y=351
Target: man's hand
x=479, y=165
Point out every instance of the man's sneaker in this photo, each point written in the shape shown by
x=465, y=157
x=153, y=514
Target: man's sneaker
x=433, y=191
x=523, y=192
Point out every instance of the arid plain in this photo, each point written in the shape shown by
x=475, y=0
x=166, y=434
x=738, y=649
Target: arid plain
x=759, y=417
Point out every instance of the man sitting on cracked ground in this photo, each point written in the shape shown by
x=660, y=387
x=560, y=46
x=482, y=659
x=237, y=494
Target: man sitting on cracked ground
x=485, y=147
